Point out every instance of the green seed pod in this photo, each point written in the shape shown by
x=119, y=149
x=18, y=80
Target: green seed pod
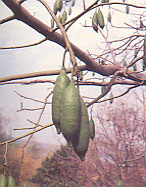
x=134, y=67
x=59, y=5
x=100, y=19
x=73, y=3
x=95, y=21
x=70, y=113
x=127, y=9
x=109, y=17
x=103, y=87
x=3, y=181
x=11, y=182
x=55, y=7
x=124, y=63
x=111, y=98
x=92, y=128
x=80, y=144
x=64, y=16
x=69, y=11
x=60, y=19
x=121, y=184
x=105, y=1
x=52, y=22
x=62, y=81
x=144, y=53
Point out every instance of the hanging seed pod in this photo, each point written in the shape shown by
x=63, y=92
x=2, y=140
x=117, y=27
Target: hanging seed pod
x=57, y=6
x=11, y=182
x=105, y=1
x=127, y=9
x=60, y=19
x=69, y=11
x=134, y=67
x=52, y=22
x=100, y=19
x=103, y=87
x=124, y=63
x=95, y=21
x=64, y=16
x=135, y=52
x=121, y=184
x=109, y=17
x=70, y=113
x=81, y=142
x=92, y=128
x=111, y=98
x=73, y=3
x=3, y=181
x=62, y=82
x=144, y=53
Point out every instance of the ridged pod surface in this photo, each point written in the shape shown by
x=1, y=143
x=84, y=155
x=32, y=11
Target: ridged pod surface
x=11, y=181
x=81, y=142
x=3, y=181
x=92, y=128
x=62, y=82
x=100, y=18
x=70, y=113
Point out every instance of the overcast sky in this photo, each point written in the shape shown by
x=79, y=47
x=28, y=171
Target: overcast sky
x=43, y=57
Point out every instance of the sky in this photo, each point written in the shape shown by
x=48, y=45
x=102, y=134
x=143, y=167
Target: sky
x=46, y=56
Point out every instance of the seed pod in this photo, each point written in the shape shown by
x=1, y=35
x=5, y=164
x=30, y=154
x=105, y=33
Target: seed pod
x=144, y=53
x=57, y=6
x=62, y=81
x=60, y=19
x=69, y=11
x=64, y=16
x=52, y=22
x=92, y=128
x=124, y=63
x=80, y=144
x=103, y=87
x=135, y=52
x=111, y=98
x=121, y=184
x=73, y=3
x=109, y=17
x=100, y=19
x=11, y=182
x=3, y=181
x=134, y=67
x=95, y=21
x=127, y=9
x=70, y=113
x=105, y=1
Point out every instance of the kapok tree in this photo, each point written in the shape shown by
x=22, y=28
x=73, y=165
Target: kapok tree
x=120, y=61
